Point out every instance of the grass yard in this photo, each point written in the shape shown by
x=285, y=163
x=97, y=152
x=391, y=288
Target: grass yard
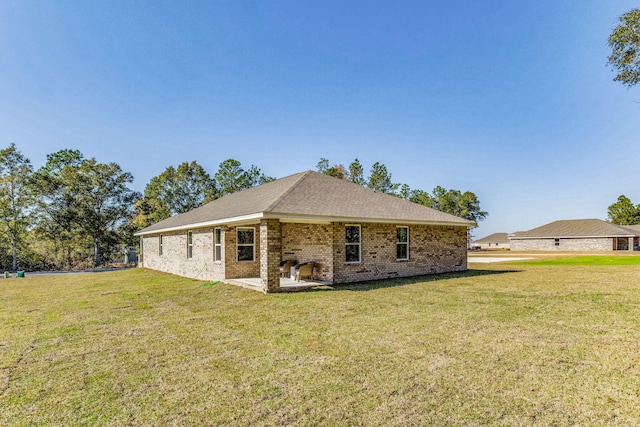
x=510, y=345
x=587, y=260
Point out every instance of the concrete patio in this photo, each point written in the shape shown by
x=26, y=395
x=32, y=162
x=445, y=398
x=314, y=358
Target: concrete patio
x=287, y=284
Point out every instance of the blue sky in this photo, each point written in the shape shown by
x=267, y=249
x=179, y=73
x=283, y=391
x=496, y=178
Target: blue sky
x=510, y=100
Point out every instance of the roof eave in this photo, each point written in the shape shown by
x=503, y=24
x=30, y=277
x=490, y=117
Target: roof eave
x=318, y=219
x=238, y=220
x=287, y=217
x=570, y=237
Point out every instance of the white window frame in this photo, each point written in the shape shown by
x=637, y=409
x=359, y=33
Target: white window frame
x=217, y=232
x=253, y=245
x=189, y=244
x=359, y=244
x=398, y=243
x=160, y=245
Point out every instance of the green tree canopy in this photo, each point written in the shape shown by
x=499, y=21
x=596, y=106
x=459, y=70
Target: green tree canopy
x=421, y=197
x=336, y=171
x=356, y=173
x=83, y=196
x=455, y=202
x=380, y=179
x=17, y=197
x=624, y=42
x=624, y=212
x=175, y=191
x=462, y=204
x=231, y=177
x=103, y=201
x=56, y=210
x=254, y=176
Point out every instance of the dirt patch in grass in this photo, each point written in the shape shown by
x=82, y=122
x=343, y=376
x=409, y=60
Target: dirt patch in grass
x=536, y=345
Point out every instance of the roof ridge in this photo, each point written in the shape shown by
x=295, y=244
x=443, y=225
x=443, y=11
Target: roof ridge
x=284, y=194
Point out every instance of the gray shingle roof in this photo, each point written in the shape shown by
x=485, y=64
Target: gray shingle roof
x=576, y=228
x=633, y=228
x=494, y=238
x=307, y=196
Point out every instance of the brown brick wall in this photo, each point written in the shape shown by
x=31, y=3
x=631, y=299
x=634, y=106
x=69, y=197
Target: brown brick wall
x=233, y=268
x=270, y=252
x=594, y=244
x=432, y=249
x=309, y=243
x=174, y=255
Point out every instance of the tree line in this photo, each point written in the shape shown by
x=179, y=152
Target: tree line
x=461, y=204
x=76, y=212
x=623, y=212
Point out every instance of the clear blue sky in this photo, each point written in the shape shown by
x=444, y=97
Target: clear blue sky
x=511, y=100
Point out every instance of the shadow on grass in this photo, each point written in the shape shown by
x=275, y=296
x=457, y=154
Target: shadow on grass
x=403, y=281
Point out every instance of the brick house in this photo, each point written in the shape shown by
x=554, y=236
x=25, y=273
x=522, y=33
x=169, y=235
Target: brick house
x=577, y=235
x=493, y=241
x=351, y=233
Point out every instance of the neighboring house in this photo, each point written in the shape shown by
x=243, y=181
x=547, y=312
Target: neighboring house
x=352, y=233
x=494, y=241
x=577, y=235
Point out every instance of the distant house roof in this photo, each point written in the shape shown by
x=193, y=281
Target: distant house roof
x=306, y=197
x=633, y=228
x=502, y=238
x=577, y=228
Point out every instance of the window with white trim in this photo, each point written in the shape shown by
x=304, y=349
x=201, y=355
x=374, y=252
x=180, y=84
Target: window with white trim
x=402, y=243
x=352, y=243
x=189, y=244
x=246, y=246
x=160, y=248
x=217, y=244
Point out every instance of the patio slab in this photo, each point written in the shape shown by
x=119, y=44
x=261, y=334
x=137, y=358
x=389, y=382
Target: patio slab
x=286, y=284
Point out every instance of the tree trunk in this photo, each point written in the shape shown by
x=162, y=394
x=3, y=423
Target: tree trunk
x=68, y=256
x=96, y=248
x=14, y=263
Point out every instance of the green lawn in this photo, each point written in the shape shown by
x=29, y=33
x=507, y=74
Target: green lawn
x=502, y=345
x=587, y=260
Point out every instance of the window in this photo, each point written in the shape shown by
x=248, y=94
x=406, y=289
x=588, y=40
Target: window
x=217, y=244
x=160, y=245
x=246, y=244
x=556, y=242
x=352, y=243
x=402, y=243
x=189, y=244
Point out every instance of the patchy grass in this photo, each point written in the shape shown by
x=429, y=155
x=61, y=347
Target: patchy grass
x=586, y=260
x=538, y=345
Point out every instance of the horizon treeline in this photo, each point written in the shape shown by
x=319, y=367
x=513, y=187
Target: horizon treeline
x=76, y=212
